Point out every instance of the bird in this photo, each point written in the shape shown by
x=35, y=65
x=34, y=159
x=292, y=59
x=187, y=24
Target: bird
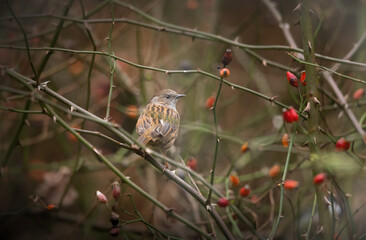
x=158, y=123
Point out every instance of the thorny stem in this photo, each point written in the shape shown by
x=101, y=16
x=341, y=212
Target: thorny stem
x=198, y=71
x=311, y=90
x=217, y=140
x=328, y=70
x=28, y=83
x=125, y=179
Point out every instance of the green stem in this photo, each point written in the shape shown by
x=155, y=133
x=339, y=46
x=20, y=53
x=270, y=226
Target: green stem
x=14, y=141
x=54, y=39
x=312, y=92
x=311, y=219
x=125, y=179
x=166, y=71
x=217, y=140
x=278, y=219
x=112, y=66
x=25, y=40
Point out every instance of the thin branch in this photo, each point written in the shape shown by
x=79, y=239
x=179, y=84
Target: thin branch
x=199, y=71
x=124, y=178
x=279, y=216
x=328, y=70
x=25, y=40
x=217, y=141
x=341, y=99
x=54, y=39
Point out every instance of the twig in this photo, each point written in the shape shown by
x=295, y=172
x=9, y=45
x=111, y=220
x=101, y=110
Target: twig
x=14, y=141
x=217, y=141
x=25, y=40
x=341, y=99
x=283, y=25
x=311, y=219
x=54, y=39
x=125, y=179
x=279, y=216
x=112, y=66
x=328, y=70
x=198, y=71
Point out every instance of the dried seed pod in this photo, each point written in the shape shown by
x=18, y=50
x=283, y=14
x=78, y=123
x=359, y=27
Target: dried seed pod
x=228, y=55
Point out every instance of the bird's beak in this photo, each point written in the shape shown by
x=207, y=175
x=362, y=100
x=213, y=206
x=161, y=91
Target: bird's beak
x=180, y=95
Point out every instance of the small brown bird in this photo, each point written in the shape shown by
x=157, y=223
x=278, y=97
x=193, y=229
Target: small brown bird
x=228, y=55
x=158, y=124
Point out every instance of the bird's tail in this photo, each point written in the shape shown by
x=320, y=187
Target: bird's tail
x=143, y=139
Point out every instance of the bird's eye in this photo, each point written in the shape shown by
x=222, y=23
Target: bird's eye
x=167, y=96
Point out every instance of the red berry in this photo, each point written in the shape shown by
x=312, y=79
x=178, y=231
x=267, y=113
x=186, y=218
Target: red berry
x=303, y=78
x=291, y=184
x=210, y=102
x=342, y=144
x=319, y=178
x=116, y=190
x=114, y=232
x=290, y=115
x=245, y=191
x=192, y=163
x=292, y=79
x=294, y=115
x=358, y=94
x=223, y=202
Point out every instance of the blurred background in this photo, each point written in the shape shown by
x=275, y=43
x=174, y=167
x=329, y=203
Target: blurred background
x=49, y=166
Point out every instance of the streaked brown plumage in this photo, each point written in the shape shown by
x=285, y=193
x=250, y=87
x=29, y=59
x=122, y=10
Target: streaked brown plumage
x=158, y=124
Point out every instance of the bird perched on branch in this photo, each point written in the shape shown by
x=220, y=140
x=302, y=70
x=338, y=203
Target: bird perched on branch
x=158, y=124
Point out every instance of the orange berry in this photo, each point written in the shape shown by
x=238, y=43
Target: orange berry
x=244, y=191
x=132, y=111
x=274, y=171
x=291, y=184
x=358, y=94
x=192, y=4
x=76, y=68
x=285, y=140
x=71, y=136
x=51, y=207
x=224, y=73
x=234, y=180
x=244, y=147
x=210, y=102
